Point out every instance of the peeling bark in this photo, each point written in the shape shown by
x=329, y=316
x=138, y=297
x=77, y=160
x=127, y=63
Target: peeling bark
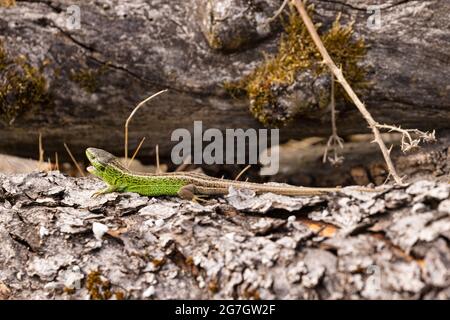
x=59, y=243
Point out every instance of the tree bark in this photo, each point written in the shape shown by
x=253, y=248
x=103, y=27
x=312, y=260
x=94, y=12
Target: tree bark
x=124, y=52
x=57, y=242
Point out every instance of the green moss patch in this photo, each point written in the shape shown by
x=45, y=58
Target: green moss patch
x=87, y=78
x=22, y=86
x=297, y=53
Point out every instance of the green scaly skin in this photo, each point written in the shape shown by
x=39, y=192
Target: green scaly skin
x=187, y=185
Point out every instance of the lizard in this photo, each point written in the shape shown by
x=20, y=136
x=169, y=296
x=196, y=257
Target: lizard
x=186, y=185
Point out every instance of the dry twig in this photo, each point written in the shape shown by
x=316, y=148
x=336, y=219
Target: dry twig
x=334, y=142
x=407, y=142
x=277, y=13
x=136, y=152
x=131, y=116
x=158, y=169
x=57, y=161
x=374, y=126
x=242, y=172
x=41, y=152
x=73, y=160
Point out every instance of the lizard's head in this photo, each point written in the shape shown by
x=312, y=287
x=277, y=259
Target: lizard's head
x=100, y=161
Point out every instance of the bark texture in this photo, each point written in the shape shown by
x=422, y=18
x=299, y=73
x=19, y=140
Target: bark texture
x=126, y=50
x=58, y=242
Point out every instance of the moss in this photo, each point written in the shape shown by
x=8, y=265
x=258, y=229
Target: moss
x=158, y=263
x=22, y=86
x=98, y=287
x=119, y=295
x=87, y=78
x=251, y=294
x=189, y=261
x=297, y=53
x=214, y=41
x=227, y=40
x=7, y=3
x=69, y=291
x=226, y=37
x=213, y=286
x=3, y=57
x=347, y=54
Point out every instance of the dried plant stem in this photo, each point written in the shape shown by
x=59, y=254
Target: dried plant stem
x=242, y=172
x=333, y=108
x=158, y=169
x=73, y=160
x=334, y=141
x=57, y=161
x=131, y=116
x=407, y=142
x=136, y=152
x=41, y=152
x=277, y=13
x=341, y=79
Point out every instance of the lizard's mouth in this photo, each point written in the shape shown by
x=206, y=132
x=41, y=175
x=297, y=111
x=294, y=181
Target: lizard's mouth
x=91, y=170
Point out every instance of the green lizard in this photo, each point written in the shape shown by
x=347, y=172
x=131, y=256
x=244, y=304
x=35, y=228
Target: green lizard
x=186, y=185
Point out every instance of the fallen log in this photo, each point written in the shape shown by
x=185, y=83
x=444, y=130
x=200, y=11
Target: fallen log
x=301, y=163
x=122, y=53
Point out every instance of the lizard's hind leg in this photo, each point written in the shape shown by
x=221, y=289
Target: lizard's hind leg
x=196, y=193
x=188, y=192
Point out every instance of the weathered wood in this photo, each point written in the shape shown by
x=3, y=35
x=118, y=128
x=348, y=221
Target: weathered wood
x=127, y=50
x=56, y=242
x=301, y=163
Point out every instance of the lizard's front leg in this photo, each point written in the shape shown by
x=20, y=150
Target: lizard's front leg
x=106, y=190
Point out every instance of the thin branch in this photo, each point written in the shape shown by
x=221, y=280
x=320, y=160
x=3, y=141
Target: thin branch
x=407, y=142
x=341, y=79
x=131, y=116
x=73, y=160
